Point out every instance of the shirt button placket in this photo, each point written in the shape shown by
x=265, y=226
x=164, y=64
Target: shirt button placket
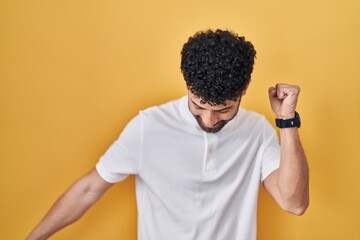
x=210, y=154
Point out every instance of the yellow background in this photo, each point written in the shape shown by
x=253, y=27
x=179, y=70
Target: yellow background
x=73, y=73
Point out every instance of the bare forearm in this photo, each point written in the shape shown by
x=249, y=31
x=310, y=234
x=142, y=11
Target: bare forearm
x=289, y=185
x=69, y=207
x=293, y=178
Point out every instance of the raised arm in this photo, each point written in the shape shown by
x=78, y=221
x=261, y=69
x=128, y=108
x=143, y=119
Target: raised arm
x=289, y=185
x=71, y=205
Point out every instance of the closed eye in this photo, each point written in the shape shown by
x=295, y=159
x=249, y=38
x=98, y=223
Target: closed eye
x=197, y=107
x=223, y=111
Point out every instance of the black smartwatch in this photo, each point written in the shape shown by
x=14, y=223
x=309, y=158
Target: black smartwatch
x=289, y=123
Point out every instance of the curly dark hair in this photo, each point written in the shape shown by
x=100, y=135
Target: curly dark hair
x=217, y=65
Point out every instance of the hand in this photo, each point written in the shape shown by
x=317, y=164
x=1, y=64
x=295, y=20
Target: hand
x=283, y=100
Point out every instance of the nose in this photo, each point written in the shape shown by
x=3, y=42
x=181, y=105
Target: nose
x=209, y=119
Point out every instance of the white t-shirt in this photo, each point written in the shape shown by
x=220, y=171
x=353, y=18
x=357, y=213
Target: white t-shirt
x=193, y=185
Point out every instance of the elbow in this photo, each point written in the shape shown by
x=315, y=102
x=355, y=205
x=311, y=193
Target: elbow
x=297, y=209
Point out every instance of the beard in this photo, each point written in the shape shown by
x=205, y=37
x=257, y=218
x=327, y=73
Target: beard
x=217, y=127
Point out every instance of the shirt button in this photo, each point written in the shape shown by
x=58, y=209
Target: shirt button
x=210, y=151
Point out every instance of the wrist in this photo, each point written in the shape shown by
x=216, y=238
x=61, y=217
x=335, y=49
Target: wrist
x=288, y=121
x=286, y=115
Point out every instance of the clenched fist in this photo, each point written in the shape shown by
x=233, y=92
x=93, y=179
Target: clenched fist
x=283, y=100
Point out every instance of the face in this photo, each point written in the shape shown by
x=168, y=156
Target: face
x=212, y=119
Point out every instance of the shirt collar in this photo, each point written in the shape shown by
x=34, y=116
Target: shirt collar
x=185, y=112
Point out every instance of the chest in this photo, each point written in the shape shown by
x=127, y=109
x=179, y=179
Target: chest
x=179, y=156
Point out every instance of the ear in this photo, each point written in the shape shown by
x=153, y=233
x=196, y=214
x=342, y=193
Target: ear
x=246, y=88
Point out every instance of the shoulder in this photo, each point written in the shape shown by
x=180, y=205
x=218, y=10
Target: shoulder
x=250, y=118
x=166, y=111
x=252, y=123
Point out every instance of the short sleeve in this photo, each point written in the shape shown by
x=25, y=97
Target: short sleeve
x=271, y=151
x=122, y=157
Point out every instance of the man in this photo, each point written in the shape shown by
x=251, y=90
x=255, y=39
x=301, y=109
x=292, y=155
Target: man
x=199, y=160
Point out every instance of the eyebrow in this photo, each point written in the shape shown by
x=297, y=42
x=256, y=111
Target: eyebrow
x=219, y=110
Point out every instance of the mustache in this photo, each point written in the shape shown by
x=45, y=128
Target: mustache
x=214, y=129
x=215, y=125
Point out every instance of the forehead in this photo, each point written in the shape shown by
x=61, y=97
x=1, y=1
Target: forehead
x=198, y=101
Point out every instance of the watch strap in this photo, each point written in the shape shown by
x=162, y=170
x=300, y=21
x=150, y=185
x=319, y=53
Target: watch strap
x=289, y=123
